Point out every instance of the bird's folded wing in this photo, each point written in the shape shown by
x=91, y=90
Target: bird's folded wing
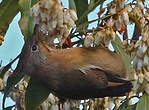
x=101, y=78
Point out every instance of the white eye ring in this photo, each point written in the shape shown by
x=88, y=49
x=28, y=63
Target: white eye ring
x=34, y=48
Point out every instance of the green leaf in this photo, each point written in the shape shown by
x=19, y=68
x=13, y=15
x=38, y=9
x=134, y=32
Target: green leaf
x=26, y=21
x=117, y=45
x=12, y=80
x=8, y=10
x=36, y=93
x=81, y=7
x=143, y=103
x=72, y=5
x=79, y=28
x=126, y=106
x=84, y=13
x=92, y=3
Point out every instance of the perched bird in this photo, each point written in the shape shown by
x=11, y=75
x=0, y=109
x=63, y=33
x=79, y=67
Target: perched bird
x=75, y=73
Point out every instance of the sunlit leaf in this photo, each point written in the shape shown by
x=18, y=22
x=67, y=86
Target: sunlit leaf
x=26, y=21
x=117, y=45
x=8, y=10
x=143, y=103
x=72, y=5
x=36, y=93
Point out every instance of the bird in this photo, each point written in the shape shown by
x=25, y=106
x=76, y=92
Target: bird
x=75, y=73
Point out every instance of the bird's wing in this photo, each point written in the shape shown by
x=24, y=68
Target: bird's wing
x=91, y=82
x=101, y=77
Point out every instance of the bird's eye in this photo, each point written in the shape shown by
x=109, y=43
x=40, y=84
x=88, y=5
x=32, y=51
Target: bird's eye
x=34, y=48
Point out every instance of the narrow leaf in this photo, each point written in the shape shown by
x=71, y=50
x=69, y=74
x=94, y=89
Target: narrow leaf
x=86, y=23
x=143, y=103
x=81, y=7
x=92, y=3
x=36, y=93
x=87, y=11
x=72, y=5
x=26, y=21
x=117, y=45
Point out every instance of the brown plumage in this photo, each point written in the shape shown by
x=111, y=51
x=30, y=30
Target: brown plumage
x=76, y=73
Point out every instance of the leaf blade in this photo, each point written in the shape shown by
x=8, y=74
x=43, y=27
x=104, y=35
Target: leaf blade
x=72, y=5
x=35, y=94
x=117, y=45
x=143, y=103
x=26, y=21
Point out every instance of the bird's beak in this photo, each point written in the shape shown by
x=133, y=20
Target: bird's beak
x=36, y=33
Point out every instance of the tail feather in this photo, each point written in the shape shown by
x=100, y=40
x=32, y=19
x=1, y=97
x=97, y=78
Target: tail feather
x=119, y=90
x=110, y=91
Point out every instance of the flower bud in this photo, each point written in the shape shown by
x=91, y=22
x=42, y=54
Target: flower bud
x=73, y=15
x=141, y=77
x=146, y=76
x=88, y=41
x=51, y=99
x=125, y=17
x=98, y=37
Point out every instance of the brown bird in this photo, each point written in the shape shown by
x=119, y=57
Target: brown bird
x=76, y=73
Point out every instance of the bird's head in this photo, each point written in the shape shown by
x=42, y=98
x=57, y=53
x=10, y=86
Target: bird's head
x=31, y=54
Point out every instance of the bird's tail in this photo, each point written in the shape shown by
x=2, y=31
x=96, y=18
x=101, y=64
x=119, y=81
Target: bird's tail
x=116, y=90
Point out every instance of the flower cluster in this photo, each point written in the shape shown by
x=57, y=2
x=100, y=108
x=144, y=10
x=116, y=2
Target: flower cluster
x=55, y=21
x=104, y=35
x=119, y=7
x=141, y=61
x=140, y=50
